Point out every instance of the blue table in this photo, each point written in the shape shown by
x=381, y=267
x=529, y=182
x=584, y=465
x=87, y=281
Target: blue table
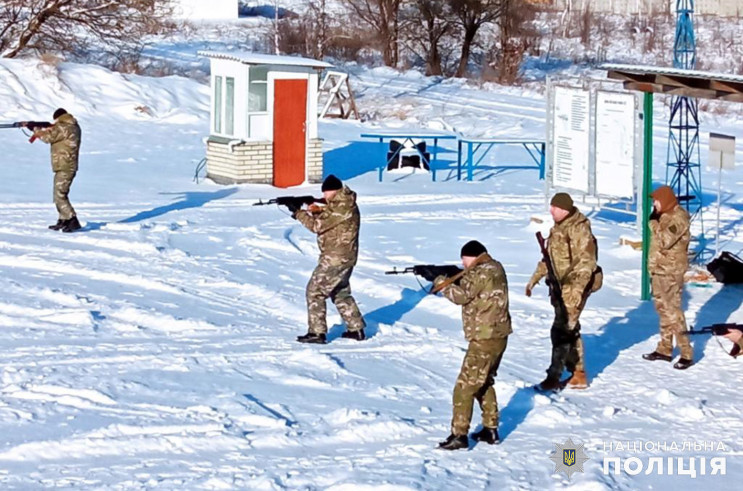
x=536, y=149
x=408, y=138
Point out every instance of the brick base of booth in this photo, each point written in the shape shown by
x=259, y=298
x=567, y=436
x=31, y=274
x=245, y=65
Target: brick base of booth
x=252, y=162
x=314, y=160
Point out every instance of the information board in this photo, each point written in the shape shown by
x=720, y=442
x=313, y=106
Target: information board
x=615, y=144
x=571, y=137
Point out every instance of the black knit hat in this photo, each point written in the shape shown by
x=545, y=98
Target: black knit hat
x=473, y=249
x=331, y=183
x=59, y=112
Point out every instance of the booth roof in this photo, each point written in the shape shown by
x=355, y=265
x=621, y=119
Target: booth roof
x=263, y=59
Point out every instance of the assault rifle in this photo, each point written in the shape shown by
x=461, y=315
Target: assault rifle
x=31, y=125
x=431, y=271
x=293, y=203
x=561, y=312
x=719, y=330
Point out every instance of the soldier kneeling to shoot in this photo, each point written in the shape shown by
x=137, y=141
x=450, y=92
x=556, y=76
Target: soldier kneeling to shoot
x=483, y=294
x=337, y=229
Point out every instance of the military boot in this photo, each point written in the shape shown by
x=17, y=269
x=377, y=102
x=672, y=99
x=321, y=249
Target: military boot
x=657, y=356
x=71, y=225
x=683, y=364
x=357, y=335
x=59, y=225
x=455, y=442
x=578, y=380
x=312, y=338
x=487, y=435
x=550, y=384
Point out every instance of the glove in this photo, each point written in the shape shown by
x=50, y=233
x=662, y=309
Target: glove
x=654, y=215
x=528, y=290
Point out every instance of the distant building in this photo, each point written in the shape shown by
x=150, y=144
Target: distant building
x=723, y=8
x=206, y=9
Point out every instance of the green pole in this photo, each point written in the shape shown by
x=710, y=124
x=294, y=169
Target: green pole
x=647, y=182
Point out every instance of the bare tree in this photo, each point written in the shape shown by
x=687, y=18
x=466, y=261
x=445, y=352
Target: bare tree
x=516, y=36
x=426, y=23
x=471, y=16
x=383, y=17
x=318, y=17
x=119, y=27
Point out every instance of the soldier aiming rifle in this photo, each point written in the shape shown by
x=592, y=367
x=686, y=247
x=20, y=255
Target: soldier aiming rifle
x=337, y=227
x=64, y=137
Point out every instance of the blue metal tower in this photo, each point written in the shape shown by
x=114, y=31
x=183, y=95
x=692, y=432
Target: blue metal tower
x=683, y=170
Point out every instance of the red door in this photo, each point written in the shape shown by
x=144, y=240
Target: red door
x=289, y=132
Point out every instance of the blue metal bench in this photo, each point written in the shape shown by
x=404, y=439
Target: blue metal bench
x=536, y=149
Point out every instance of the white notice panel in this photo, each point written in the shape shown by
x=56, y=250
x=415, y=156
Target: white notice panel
x=615, y=144
x=571, y=139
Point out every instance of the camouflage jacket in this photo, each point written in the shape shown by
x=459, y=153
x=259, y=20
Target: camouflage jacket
x=64, y=137
x=573, y=251
x=337, y=228
x=483, y=294
x=669, y=243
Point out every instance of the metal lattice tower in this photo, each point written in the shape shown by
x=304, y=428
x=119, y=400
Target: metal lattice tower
x=683, y=170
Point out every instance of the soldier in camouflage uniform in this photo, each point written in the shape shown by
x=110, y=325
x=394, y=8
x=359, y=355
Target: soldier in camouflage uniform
x=337, y=229
x=483, y=294
x=64, y=138
x=668, y=260
x=573, y=252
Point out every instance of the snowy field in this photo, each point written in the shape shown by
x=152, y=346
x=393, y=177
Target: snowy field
x=155, y=349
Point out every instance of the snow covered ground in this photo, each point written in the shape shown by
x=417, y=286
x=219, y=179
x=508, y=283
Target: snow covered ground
x=156, y=349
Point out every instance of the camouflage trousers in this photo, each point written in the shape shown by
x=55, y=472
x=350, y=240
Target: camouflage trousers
x=331, y=281
x=62, y=182
x=567, y=345
x=667, y=292
x=475, y=382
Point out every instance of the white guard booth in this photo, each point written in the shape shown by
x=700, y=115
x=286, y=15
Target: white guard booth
x=264, y=119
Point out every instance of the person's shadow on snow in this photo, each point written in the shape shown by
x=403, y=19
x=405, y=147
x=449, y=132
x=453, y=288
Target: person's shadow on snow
x=188, y=200
x=601, y=350
x=389, y=314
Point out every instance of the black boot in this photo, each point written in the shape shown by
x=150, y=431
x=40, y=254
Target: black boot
x=357, y=335
x=455, y=442
x=312, y=338
x=657, y=356
x=487, y=435
x=59, y=225
x=71, y=225
x=550, y=384
x=683, y=364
